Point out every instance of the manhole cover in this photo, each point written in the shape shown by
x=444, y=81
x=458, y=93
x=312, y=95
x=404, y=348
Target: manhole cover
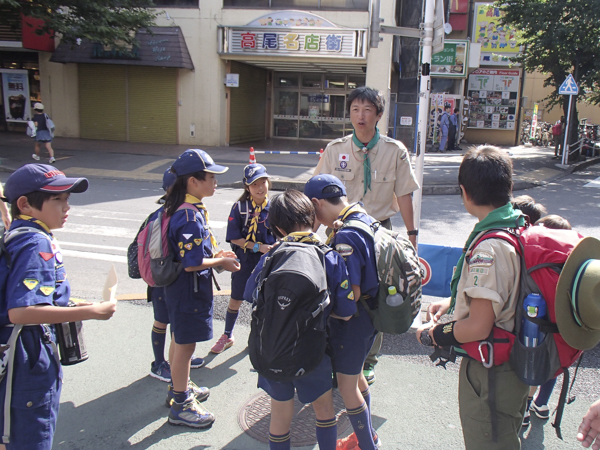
x=255, y=415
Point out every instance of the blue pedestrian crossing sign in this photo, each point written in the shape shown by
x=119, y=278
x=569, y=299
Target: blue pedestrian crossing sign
x=569, y=87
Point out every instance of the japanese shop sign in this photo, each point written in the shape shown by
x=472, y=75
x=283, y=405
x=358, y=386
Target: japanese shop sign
x=451, y=62
x=498, y=41
x=15, y=85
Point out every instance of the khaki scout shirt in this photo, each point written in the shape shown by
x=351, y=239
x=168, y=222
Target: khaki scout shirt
x=391, y=173
x=492, y=273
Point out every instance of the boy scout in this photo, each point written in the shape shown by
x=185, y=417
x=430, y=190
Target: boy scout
x=484, y=294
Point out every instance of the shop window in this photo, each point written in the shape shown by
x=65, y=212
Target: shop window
x=351, y=5
x=286, y=79
x=312, y=80
x=286, y=128
x=333, y=81
x=176, y=3
x=360, y=5
x=295, y=4
x=356, y=81
x=445, y=85
x=286, y=103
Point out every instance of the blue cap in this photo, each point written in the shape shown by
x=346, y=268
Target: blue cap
x=316, y=185
x=41, y=177
x=168, y=179
x=195, y=160
x=253, y=172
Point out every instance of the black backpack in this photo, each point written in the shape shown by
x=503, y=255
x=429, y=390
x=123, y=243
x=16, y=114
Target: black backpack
x=288, y=333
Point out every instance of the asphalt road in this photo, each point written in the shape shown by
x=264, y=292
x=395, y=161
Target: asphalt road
x=100, y=396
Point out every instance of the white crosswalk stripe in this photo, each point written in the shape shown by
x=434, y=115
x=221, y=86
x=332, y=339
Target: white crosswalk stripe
x=595, y=183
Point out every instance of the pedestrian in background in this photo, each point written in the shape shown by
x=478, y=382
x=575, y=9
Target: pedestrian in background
x=445, y=128
x=250, y=237
x=44, y=132
x=376, y=171
x=558, y=133
x=4, y=212
x=452, y=129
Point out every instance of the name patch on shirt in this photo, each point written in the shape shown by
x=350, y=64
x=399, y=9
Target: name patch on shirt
x=344, y=249
x=481, y=259
x=479, y=270
x=339, y=169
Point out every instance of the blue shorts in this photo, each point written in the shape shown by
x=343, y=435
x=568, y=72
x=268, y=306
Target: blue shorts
x=157, y=296
x=35, y=391
x=351, y=341
x=310, y=387
x=239, y=278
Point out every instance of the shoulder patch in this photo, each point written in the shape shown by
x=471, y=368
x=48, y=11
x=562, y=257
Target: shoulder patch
x=30, y=283
x=344, y=284
x=481, y=258
x=338, y=141
x=46, y=290
x=187, y=236
x=351, y=295
x=344, y=249
x=46, y=256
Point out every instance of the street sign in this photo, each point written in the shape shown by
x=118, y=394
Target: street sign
x=438, y=27
x=569, y=87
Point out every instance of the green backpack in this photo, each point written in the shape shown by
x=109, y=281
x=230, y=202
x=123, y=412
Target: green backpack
x=397, y=265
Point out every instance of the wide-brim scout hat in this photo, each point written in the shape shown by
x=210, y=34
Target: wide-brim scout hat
x=577, y=304
x=41, y=177
x=253, y=172
x=195, y=160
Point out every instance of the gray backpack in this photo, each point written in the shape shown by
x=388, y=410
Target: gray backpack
x=397, y=265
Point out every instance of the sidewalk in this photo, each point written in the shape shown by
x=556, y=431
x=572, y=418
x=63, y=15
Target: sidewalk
x=147, y=162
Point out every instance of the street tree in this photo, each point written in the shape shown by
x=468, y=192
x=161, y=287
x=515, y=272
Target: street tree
x=110, y=22
x=560, y=37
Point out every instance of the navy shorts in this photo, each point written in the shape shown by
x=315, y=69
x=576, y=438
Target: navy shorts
x=351, y=341
x=239, y=278
x=310, y=387
x=157, y=296
x=35, y=391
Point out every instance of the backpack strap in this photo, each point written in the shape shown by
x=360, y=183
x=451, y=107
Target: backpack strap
x=565, y=397
x=360, y=225
x=14, y=233
x=244, y=211
x=12, y=340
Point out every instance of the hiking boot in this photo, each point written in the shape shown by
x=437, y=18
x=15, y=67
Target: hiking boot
x=369, y=373
x=351, y=442
x=36, y=157
x=543, y=412
x=190, y=413
x=196, y=362
x=51, y=160
x=161, y=371
x=222, y=344
x=201, y=393
x=526, y=419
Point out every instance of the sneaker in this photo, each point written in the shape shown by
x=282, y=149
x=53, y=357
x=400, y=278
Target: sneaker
x=161, y=371
x=351, y=442
x=369, y=373
x=526, y=419
x=196, y=362
x=201, y=393
x=543, y=412
x=190, y=413
x=51, y=160
x=36, y=157
x=222, y=344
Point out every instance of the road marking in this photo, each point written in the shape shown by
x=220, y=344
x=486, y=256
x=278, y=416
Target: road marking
x=441, y=167
x=97, y=230
x=595, y=183
x=101, y=247
x=107, y=215
x=97, y=256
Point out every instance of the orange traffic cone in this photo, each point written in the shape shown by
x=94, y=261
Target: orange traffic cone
x=252, y=157
x=320, y=154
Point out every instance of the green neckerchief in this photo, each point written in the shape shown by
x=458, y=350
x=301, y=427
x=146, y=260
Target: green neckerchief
x=366, y=161
x=302, y=236
x=504, y=217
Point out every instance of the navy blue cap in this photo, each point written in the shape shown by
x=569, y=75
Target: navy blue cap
x=41, y=177
x=316, y=185
x=168, y=179
x=195, y=160
x=253, y=172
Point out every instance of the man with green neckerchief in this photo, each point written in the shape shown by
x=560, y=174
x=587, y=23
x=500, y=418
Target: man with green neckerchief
x=485, y=290
x=376, y=171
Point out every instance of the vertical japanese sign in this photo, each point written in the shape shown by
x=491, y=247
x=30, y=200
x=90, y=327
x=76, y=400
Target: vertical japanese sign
x=15, y=86
x=534, y=121
x=451, y=62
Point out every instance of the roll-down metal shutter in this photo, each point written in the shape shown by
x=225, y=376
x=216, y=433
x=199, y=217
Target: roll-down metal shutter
x=247, y=104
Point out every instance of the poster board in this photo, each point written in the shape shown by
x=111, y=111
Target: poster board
x=493, y=98
x=15, y=88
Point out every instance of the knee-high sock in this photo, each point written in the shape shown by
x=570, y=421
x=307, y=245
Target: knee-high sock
x=281, y=442
x=230, y=318
x=361, y=423
x=158, y=344
x=327, y=434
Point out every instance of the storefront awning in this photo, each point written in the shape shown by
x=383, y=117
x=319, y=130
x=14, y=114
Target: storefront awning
x=160, y=47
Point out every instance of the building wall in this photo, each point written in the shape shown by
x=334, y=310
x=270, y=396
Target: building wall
x=202, y=92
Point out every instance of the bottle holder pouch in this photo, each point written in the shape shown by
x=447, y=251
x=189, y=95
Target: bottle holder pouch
x=533, y=365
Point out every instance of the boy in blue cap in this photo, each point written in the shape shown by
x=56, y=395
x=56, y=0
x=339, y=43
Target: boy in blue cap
x=37, y=293
x=190, y=296
x=351, y=340
x=292, y=220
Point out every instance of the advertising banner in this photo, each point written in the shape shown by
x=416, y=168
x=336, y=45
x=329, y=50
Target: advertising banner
x=498, y=41
x=452, y=61
x=15, y=87
x=493, y=98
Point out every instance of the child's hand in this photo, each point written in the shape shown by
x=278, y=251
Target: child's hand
x=104, y=310
x=230, y=264
x=264, y=248
x=437, y=309
x=225, y=254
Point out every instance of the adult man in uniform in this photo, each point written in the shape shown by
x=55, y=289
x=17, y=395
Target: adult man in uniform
x=376, y=171
x=444, y=128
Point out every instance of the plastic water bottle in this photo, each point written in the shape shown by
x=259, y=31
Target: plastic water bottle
x=534, y=306
x=393, y=298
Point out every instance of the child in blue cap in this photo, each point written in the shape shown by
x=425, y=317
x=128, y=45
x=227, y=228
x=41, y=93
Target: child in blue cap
x=37, y=293
x=160, y=367
x=190, y=296
x=250, y=237
x=350, y=341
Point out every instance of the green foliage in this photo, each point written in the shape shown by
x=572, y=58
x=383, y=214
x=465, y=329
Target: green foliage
x=110, y=22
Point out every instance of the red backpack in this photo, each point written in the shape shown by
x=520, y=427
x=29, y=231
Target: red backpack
x=543, y=252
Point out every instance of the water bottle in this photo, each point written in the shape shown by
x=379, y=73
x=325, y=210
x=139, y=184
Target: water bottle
x=534, y=306
x=393, y=298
